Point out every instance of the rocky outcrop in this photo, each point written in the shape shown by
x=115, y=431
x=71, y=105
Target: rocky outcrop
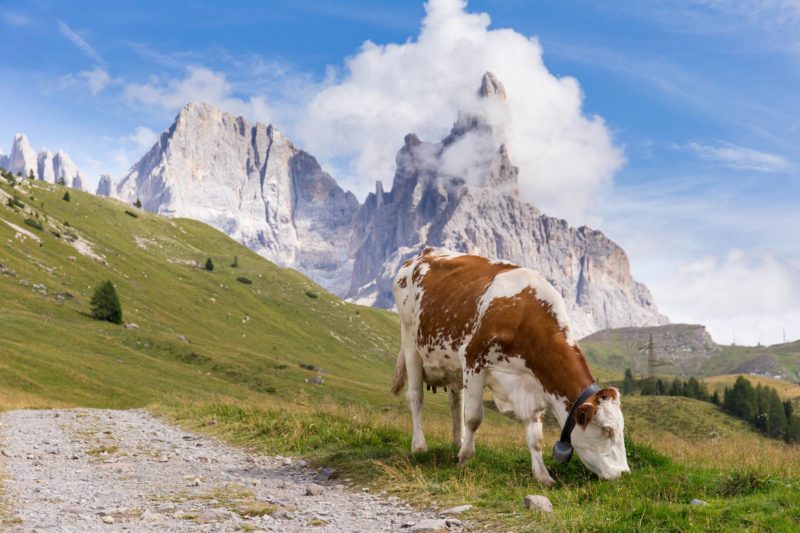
x=104, y=186
x=252, y=183
x=46, y=166
x=478, y=210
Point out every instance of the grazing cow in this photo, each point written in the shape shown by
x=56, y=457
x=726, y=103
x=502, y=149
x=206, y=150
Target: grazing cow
x=467, y=323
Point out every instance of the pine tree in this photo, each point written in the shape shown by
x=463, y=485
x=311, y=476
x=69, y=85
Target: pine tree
x=137, y=203
x=105, y=303
x=235, y=263
x=30, y=175
x=66, y=196
x=209, y=264
x=628, y=385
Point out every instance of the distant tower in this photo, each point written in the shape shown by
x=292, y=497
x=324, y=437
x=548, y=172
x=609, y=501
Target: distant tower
x=652, y=362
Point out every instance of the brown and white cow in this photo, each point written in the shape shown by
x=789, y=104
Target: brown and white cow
x=469, y=323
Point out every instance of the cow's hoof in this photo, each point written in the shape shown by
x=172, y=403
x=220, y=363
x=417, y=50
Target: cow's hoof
x=419, y=448
x=547, y=482
x=463, y=458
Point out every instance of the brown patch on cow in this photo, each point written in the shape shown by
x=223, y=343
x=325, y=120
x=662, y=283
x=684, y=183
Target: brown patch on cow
x=451, y=290
x=584, y=413
x=522, y=326
x=402, y=282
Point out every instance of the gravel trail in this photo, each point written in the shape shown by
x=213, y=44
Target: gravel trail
x=79, y=470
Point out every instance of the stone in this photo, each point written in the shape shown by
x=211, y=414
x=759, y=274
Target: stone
x=431, y=525
x=131, y=325
x=696, y=501
x=536, y=502
x=456, y=510
x=327, y=473
x=312, y=489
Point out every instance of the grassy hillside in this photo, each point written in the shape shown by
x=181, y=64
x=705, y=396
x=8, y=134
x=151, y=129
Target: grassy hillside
x=199, y=333
x=225, y=357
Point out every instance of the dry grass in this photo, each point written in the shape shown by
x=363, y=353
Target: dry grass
x=786, y=390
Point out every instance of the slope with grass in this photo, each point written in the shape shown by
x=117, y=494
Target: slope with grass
x=193, y=333
x=224, y=356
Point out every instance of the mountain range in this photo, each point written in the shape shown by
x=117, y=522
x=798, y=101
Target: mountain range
x=254, y=184
x=45, y=166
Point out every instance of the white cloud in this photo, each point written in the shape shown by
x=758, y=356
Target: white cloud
x=738, y=157
x=79, y=42
x=750, y=296
x=387, y=91
x=16, y=19
x=199, y=84
x=96, y=79
x=143, y=138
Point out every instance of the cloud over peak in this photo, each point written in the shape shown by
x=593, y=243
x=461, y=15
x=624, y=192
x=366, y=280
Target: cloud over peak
x=387, y=91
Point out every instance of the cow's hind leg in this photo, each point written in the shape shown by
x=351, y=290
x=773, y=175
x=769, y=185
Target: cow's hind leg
x=457, y=411
x=533, y=433
x=473, y=413
x=414, y=394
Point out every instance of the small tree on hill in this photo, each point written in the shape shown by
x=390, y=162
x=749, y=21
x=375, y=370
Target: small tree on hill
x=66, y=196
x=628, y=384
x=209, y=264
x=30, y=174
x=137, y=203
x=61, y=181
x=235, y=263
x=105, y=303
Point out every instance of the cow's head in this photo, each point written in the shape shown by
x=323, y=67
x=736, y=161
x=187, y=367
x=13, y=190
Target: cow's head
x=598, y=435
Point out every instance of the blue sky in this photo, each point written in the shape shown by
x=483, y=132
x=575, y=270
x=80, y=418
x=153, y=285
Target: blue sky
x=699, y=101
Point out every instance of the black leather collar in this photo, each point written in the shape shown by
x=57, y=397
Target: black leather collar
x=562, y=451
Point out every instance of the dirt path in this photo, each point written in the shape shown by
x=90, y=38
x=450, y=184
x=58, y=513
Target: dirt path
x=102, y=470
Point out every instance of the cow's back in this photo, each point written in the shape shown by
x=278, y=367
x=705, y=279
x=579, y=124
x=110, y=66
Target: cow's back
x=438, y=294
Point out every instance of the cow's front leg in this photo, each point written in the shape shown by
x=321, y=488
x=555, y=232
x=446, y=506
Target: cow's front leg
x=414, y=395
x=533, y=433
x=473, y=413
x=457, y=412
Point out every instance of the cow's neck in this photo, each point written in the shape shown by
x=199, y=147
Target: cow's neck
x=572, y=378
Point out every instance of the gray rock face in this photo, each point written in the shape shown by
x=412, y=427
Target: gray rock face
x=46, y=166
x=253, y=184
x=104, y=186
x=484, y=215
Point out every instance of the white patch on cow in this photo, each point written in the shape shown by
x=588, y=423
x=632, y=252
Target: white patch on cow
x=509, y=284
x=516, y=390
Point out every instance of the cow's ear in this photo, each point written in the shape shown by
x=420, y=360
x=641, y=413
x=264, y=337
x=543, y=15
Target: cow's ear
x=609, y=393
x=584, y=414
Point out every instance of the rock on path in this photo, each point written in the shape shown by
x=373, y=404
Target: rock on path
x=82, y=470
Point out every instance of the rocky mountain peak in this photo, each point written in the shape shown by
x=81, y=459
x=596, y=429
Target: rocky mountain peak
x=104, y=186
x=252, y=183
x=491, y=87
x=45, y=166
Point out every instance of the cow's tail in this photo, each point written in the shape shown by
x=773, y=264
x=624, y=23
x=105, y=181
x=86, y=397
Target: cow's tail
x=399, y=380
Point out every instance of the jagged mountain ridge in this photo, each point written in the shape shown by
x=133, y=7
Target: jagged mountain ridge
x=484, y=215
x=252, y=183
x=45, y=166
